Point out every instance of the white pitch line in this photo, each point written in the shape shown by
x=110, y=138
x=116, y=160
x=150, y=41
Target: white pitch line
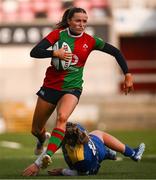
x=9, y=144
x=119, y=159
x=150, y=156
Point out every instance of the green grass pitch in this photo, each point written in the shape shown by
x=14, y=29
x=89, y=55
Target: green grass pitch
x=13, y=160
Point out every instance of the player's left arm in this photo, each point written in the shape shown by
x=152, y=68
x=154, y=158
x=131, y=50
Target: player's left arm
x=128, y=81
x=113, y=51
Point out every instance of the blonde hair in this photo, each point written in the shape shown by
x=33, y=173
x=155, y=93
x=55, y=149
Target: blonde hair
x=74, y=135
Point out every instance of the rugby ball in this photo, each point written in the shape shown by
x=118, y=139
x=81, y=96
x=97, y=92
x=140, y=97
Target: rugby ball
x=58, y=63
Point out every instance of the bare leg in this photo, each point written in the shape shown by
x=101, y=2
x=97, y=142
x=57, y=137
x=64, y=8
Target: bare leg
x=110, y=141
x=113, y=143
x=65, y=107
x=42, y=113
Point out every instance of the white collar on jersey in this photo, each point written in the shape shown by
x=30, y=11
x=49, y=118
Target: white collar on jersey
x=74, y=36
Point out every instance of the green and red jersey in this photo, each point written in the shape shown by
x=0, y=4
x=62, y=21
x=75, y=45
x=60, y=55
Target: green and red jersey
x=81, y=46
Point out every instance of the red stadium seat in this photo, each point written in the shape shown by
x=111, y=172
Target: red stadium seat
x=100, y=8
x=9, y=10
x=1, y=13
x=39, y=5
x=25, y=11
x=99, y=3
x=54, y=10
x=85, y=4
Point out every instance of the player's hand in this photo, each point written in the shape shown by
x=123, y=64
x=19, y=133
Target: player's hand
x=128, y=83
x=55, y=172
x=31, y=170
x=62, y=54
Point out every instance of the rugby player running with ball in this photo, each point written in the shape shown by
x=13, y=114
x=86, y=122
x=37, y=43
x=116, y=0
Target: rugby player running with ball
x=61, y=89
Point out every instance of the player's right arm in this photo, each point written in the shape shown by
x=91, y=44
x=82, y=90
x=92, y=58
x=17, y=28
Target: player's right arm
x=41, y=51
x=31, y=170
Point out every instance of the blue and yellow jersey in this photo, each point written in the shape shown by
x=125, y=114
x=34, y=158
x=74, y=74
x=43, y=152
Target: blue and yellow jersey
x=85, y=158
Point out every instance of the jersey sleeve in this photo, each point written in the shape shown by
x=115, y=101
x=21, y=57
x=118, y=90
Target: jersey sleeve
x=99, y=43
x=53, y=36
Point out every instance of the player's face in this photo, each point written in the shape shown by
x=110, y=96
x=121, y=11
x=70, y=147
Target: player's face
x=78, y=22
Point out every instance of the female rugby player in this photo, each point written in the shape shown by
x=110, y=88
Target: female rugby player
x=83, y=152
x=61, y=90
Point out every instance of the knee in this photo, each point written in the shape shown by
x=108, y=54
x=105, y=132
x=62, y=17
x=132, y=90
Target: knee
x=62, y=118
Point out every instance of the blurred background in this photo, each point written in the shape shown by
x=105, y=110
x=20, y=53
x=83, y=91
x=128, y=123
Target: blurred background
x=129, y=25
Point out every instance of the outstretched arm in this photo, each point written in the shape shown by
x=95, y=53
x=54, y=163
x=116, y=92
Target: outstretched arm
x=31, y=170
x=109, y=49
x=128, y=81
x=34, y=168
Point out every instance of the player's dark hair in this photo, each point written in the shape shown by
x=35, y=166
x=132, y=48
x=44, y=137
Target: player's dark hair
x=68, y=14
x=74, y=135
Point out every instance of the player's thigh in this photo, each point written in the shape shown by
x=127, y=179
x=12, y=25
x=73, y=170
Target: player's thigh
x=97, y=133
x=42, y=112
x=66, y=105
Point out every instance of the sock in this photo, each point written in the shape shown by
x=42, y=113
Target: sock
x=55, y=140
x=129, y=151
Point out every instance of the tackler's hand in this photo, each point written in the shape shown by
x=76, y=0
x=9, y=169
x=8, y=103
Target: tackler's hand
x=31, y=170
x=128, y=83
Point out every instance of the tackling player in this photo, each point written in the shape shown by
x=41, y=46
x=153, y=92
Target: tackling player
x=83, y=152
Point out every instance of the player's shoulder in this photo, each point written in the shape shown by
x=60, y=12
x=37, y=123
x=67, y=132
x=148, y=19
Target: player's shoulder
x=95, y=37
x=89, y=36
x=56, y=31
